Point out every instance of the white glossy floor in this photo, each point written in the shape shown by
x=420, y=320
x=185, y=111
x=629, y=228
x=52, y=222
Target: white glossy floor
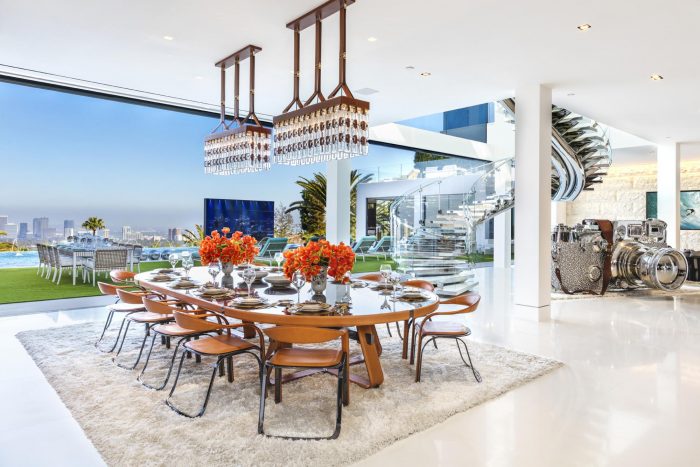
x=629, y=394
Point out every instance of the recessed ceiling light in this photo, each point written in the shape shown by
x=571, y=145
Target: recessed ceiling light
x=570, y=94
x=198, y=77
x=372, y=39
x=426, y=73
x=584, y=27
x=168, y=38
x=410, y=67
x=656, y=77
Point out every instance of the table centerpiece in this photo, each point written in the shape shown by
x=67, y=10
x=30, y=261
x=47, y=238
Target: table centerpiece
x=229, y=251
x=317, y=260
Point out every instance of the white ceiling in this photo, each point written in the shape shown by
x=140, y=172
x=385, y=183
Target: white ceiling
x=476, y=50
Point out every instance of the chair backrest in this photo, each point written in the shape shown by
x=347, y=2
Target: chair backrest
x=119, y=275
x=421, y=284
x=41, y=252
x=111, y=258
x=371, y=277
x=469, y=301
x=304, y=335
x=131, y=298
x=156, y=306
x=188, y=321
x=136, y=253
x=107, y=289
x=52, y=255
x=364, y=244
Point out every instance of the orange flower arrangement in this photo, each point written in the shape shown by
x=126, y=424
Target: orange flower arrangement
x=236, y=249
x=315, y=256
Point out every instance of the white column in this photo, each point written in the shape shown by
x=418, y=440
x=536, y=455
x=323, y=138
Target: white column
x=558, y=213
x=338, y=201
x=668, y=182
x=533, y=132
x=502, y=249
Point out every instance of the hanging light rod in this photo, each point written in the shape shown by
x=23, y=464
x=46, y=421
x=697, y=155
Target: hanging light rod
x=321, y=12
x=335, y=127
x=240, y=147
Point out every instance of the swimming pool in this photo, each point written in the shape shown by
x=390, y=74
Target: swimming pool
x=28, y=259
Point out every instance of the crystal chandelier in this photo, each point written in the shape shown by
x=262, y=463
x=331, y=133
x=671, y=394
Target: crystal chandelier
x=332, y=128
x=241, y=146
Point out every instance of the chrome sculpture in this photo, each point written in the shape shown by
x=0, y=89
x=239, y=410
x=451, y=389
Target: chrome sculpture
x=598, y=255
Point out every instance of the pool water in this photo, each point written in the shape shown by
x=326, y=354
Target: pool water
x=28, y=259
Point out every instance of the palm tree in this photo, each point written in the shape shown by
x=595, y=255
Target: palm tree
x=94, y=224
x=193, y=238
x=312, y=206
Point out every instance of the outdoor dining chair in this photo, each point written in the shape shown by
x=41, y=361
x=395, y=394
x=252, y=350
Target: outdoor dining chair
x=43, y=260
x=105, y=260
x=438, y=329
x=116, y=308
x=223, y=346
x=60, y=262
x=282, y=357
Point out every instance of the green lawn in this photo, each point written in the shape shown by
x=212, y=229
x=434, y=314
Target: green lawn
x=23, y=285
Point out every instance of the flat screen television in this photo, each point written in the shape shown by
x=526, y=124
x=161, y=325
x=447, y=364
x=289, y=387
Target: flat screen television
x=255, y=218
x=690, y=208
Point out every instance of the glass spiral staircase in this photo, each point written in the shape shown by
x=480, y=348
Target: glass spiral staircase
x=435, y=230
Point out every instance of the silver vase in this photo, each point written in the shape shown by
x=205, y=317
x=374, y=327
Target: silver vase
x=320, y=281
x=227, y=279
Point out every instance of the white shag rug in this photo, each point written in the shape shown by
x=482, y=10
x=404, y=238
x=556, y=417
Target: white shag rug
x=131, y=425
x=686, y=289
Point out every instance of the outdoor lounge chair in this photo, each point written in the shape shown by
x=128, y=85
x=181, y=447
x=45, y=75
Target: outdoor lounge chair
x=268, y=250
x=381, y=248
x=362, y=246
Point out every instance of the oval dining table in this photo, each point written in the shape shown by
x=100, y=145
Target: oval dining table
x=368, y=308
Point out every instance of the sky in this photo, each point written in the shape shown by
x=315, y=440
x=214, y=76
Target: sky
x=65, y=156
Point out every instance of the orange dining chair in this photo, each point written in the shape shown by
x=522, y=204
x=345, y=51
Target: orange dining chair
x=222, y=346
x=116, y=308
x=285, y=357
x=119, y=276
x=437, y=329
x=168, y=331
x=147, y=318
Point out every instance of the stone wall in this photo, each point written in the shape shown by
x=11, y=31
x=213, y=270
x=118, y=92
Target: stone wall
x=623, y=196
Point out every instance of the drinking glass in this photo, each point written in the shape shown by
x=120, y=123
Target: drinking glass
x=173, y=258
x=385, y=271
x=395, y=279
x=214, y=269
x=279, y=257
x=298, y=281
x=249, y=277
x=187, y=264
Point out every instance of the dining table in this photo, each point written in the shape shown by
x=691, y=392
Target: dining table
x=370, y=304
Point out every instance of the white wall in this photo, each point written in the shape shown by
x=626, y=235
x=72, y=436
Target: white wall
x=622, y=196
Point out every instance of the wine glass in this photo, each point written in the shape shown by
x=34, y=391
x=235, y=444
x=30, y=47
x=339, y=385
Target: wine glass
x=173, y=258
x=249, y=277
x=214, y=269
x=298, y=281
x=279, y=257
x=385, y=271
x=395, y=279
x=187, y=264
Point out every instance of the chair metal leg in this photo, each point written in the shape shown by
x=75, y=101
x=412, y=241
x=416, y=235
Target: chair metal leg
x=143, y=343
x=263, y=397
x=388, y=329
x=107, y=323
x=126, y=330
x=219, y=361
x=475, y=372
x=419, y=362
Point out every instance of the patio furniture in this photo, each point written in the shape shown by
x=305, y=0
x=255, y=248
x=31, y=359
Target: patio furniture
x=168, y=331
x=282, y=356
x=222, y=346
x=105, y=260
x=362, y=246
x=381, y=248
x=43, y=259
x=438, y=329
x=120, y=276
x=116, y=308
x=147, y=318
x=135, y=252
x=271, y=246
x=59, y=263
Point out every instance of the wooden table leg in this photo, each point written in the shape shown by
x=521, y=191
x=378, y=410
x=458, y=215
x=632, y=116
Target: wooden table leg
x=371, y=349
x=404, y=350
